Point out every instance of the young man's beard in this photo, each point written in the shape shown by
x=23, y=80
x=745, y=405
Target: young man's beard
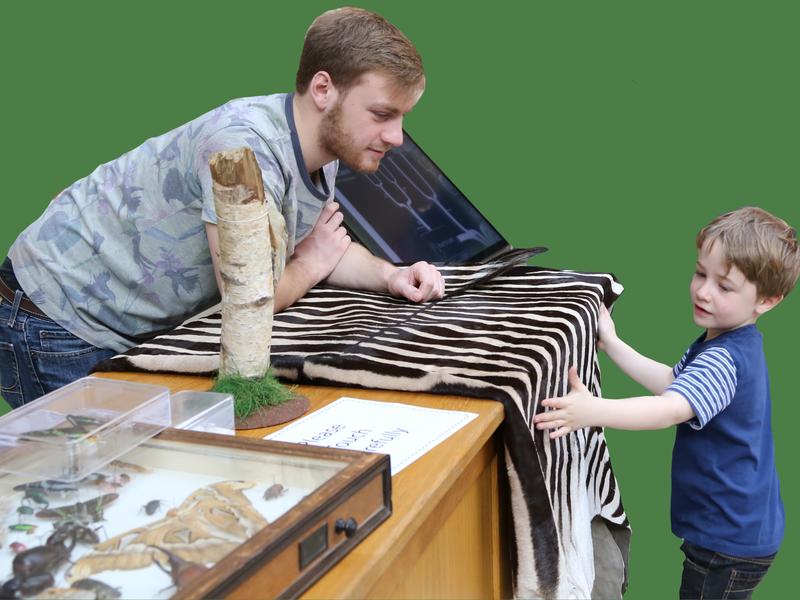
x=335, y=140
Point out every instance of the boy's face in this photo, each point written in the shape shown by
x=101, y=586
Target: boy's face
x=722, y=296
x=367, y=121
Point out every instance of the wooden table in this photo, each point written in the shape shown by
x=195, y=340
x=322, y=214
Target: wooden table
x=446, y=536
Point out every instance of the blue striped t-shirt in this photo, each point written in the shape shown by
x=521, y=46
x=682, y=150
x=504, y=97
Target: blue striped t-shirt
x=708, y=383
x=725, y=488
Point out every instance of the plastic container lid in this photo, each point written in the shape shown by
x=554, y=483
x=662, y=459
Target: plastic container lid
x=203, y=411
x=69, y=433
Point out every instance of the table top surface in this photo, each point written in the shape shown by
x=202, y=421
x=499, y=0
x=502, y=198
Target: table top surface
x=416, y=490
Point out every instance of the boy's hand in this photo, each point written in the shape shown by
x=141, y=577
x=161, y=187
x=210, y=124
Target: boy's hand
x=573, y=411
x=606, y=330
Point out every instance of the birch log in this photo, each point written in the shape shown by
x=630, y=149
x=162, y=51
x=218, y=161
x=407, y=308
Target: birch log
x=245, y=263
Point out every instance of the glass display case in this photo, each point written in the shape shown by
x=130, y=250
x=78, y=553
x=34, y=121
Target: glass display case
x=188, y=514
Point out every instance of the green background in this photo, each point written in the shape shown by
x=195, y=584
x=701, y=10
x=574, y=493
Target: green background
x=608, y=132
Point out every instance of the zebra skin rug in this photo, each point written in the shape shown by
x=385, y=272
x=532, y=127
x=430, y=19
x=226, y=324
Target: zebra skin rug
x=504, y=332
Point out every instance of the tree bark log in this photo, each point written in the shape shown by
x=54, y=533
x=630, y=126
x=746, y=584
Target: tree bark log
x=246, y=264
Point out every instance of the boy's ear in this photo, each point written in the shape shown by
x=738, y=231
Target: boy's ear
x=767, y=303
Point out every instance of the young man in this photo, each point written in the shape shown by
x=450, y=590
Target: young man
x=726, y=503
x=132, y=249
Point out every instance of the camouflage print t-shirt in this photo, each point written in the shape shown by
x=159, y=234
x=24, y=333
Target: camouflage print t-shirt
x=123, y=253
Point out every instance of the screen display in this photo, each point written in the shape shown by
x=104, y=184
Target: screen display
x=408, y=210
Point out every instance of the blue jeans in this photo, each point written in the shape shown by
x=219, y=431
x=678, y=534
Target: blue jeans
x=709, y=574
x=37, y=355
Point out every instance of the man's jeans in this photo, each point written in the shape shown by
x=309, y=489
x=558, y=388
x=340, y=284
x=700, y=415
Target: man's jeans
x=709, y=574
x=37, y=355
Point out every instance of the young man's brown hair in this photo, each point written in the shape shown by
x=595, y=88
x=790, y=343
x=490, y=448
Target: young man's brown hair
x=348, y=42
x=762, y=246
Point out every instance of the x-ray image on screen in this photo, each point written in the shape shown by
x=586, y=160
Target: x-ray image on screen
x=408, y=210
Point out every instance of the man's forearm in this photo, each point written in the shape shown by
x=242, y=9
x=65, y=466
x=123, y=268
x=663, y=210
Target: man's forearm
x=653, y=375
x=293, y=285
x=359, y=269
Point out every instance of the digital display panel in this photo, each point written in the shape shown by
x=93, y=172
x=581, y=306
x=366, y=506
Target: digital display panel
x=408, y=210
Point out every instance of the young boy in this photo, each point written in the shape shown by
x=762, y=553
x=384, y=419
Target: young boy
x=726, y=503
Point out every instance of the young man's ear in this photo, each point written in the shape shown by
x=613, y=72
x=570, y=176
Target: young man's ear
x=322, y=91
x=768, y=303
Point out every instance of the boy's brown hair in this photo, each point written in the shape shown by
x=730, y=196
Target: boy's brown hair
x=348, y=42
x=762, y=246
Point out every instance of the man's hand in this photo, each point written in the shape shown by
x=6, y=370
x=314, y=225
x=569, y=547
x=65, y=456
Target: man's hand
x=323, y=248
x=419, y=283
x=606, y=330
x=573, y=411
x=360, y=270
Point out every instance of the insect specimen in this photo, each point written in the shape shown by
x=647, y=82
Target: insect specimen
x=121, y=464
x=33, y=568
x=116, y=482
x=151, y=507
x=73, y=427
x=102, y=591
x=75, y=531
x=17, y=547
x=27, y=586
x=276, y=490
x=48, y=485
x=181, y=571
x=90, y=511
x=36, y=496
x=22, y=527
x=40, y=559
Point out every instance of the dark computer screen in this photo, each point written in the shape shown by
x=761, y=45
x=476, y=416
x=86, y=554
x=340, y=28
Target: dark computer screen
x=408, y=210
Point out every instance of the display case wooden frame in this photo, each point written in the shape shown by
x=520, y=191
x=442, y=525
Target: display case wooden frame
x=286, y=556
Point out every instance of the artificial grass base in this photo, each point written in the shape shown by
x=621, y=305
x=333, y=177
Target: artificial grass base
x=251, y=394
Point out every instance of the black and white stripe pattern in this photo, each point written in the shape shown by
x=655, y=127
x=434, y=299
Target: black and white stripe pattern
x=503, y=332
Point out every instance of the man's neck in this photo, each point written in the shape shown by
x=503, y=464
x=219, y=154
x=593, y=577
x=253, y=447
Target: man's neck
x=307, y=120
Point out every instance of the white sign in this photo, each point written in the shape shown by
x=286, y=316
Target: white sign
x=403, y=431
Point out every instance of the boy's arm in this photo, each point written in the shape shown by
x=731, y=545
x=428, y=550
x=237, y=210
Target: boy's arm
x=580, y=409
x=653, y=375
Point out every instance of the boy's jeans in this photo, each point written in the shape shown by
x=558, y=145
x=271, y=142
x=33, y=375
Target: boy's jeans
x=709, y=574
x=37, y=355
